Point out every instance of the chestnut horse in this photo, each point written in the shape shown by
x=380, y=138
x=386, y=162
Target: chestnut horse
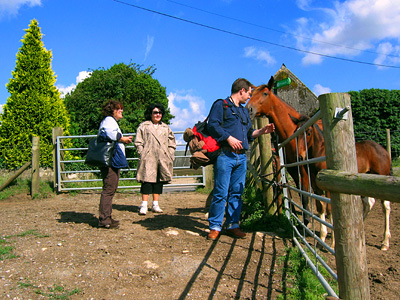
x=264, y=102
x=371, y=158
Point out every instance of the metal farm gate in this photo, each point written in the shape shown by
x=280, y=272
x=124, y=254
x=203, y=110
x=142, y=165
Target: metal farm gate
x=342, y=180
x=72, y=174
x=305, y=239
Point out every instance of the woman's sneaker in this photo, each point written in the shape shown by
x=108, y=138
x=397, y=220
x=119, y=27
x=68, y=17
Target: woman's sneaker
x=157, y=209
x=143, y=210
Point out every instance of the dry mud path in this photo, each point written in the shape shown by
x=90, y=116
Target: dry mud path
x=157, y=256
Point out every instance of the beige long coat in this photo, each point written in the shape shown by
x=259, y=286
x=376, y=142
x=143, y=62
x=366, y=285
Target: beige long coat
x=156, y=146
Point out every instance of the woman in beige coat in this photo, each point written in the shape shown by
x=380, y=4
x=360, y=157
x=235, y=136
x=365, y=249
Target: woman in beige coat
x=155, y=144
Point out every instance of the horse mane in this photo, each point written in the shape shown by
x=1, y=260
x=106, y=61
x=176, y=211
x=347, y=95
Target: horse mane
x=260, y=87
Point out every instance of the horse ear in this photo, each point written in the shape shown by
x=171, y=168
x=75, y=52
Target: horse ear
x=270, y=84
x=294, y=119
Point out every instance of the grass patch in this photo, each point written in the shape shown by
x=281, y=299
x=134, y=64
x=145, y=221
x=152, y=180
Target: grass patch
x=54, y=292
x=301, y=283
x=396, y=162
x=58, y=292
x=23, y=186
x=255, y=217
x=203, y=190
x=33, y=232
x=18, y=186
x=396, y=167
x=6, y=251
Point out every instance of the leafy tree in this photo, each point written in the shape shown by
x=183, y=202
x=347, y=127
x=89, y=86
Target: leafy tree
x=34, y=106
x=374, y=111
x=131, y=85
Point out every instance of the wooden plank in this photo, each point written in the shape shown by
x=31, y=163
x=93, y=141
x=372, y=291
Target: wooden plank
x=369, y=185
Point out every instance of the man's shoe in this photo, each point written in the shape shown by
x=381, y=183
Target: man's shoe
x=143, y=210
x=114, y=221
x=236, y=233
x=157, y=209
x=213, y=235
x=109, y=226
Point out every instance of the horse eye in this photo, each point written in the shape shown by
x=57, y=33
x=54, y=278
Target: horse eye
x=265, y=94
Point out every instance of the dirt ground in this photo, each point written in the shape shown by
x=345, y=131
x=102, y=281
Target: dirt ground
x=157, y=256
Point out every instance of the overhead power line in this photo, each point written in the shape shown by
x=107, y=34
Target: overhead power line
x=255, y=39
x=280, y=31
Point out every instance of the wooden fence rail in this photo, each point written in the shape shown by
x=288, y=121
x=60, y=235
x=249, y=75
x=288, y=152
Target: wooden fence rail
x=369, y=185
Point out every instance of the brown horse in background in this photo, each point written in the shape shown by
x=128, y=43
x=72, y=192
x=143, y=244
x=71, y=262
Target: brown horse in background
x=371, y=158
x=264, y=102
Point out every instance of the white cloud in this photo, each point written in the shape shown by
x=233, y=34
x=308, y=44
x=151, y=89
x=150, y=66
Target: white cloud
x=68, y=89
x=187, y=109
x=389, y=54
x=354, y=24
x=11, y=7
x=149, y=45
x=319, y=90
x=1, y=108
x=259, y=55
x=82, y=76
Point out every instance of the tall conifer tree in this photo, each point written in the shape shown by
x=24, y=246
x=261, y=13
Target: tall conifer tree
x=34, y=106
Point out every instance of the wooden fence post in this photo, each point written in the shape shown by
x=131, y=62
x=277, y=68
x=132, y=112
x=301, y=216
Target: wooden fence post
x=209, y=172
x=347, y=210
x=266, y=166
x=388, y=146
x=254, y=162
x=35, y=187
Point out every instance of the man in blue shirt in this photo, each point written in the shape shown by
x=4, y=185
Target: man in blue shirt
x=232, y=129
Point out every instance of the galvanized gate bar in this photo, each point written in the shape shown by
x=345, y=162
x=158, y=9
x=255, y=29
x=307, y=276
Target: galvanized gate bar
x=200, y=179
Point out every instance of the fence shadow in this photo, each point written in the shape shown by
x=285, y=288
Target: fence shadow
x=247, y=269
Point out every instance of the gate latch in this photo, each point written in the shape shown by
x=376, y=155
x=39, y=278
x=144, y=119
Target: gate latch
x=342, y=113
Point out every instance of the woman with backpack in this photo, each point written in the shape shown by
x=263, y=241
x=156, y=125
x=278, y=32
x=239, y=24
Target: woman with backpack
x=109, y=130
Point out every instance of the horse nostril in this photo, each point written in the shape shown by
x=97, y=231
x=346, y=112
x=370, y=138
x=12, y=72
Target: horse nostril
x=300, y=158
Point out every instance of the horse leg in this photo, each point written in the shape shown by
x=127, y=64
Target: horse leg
x=386, y=235
x=305, y=201
x=368, y=204
x=321, y=211
x=329, y=213
x=276, y=163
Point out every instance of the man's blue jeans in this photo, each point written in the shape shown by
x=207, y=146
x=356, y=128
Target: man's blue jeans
x=229, y=180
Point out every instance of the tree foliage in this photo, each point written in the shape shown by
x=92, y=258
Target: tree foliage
x=131, y=85
x=34, y=106
x=374, y=111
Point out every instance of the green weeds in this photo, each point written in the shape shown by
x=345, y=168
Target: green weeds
x=301, y=282
x=54, y=292
x=6, y=251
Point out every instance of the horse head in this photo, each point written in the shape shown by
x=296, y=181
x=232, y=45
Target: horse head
x=259, y=102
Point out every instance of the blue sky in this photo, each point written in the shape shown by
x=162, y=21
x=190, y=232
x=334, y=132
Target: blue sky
x=200, y=47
